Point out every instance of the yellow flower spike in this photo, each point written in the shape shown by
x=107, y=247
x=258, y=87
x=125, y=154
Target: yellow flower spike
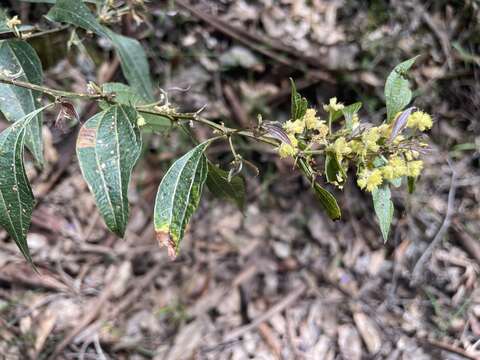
x=322, y=132
x=358, y=148
x=294, y=127
x=399, y=166
x=370, y=179
x=414, y=168
x=388, y=172
x=374, y=180
x=333, y=105
x=286, y=150
x=420, y=120
x=370, y=138
x=310, y=118
x=385, y=130
x=341, y=148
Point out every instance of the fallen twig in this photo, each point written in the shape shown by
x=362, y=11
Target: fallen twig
x=450, y=348
x=418, y=274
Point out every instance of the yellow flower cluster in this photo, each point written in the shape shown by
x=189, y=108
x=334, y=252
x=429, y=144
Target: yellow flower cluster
x=394, y=169
x=370, y=179
x=316, y=127
x=286, y=150
x=419, y=120
x=370, y=139
x=341, y=148
x=333, y=105
x=377, y=157
x=294, y=127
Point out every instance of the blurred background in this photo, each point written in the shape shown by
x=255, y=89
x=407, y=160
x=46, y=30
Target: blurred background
x=280, y=281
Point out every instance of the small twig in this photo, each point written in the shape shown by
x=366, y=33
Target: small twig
x=450, y=348
x=418, y=274
x=53, y=92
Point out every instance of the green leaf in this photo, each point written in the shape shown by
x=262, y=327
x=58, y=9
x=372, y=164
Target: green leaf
x=76, y=13
x=134, y=64
x=333, y=169
x=383, y=206
x=18, y=57
x=328, y=202
x=218, y=184
x=349, y=111
x=108, y=146
x=178, y=197
x=16, y=197
x=133, y=59
x=397, y=89
x=299, y=103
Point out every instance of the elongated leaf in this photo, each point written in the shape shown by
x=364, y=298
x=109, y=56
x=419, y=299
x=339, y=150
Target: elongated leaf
x=132, y=55
x=134, y=64
x=218, y=184
x=328, y=202
x=178, y=197
x=299, y=103
x=397, y=89
x=16, y=197
x=326, y=199
x=76, y=13
x=108, y=147
x=383, y=206
x=18, y=57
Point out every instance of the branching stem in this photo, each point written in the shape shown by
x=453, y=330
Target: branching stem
x=55, y=94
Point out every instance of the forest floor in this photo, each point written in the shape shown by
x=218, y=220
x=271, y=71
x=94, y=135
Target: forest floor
x=280, y=281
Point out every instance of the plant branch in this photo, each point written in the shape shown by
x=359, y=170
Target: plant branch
x=218, y=127
x=27, y=36
x=55, y=94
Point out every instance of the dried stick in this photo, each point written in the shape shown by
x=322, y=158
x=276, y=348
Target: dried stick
x=418, y=274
